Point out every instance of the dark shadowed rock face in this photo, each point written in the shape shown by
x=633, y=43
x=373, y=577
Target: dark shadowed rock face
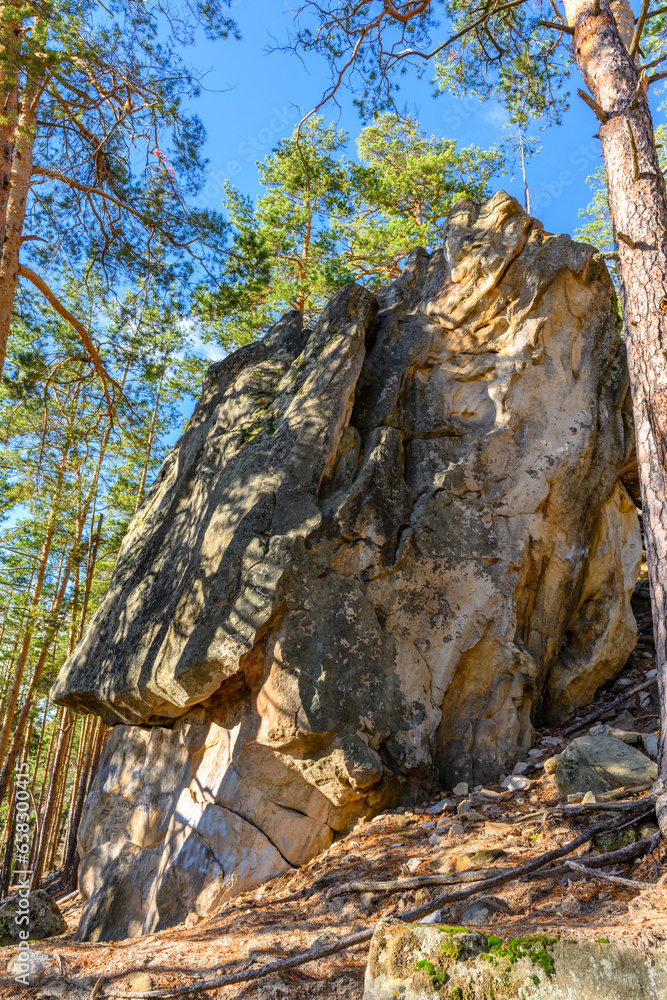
x=379, y=550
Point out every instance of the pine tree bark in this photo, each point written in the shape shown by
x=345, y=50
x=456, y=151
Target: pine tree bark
x=9, y=103
x=15, y=211
x=638, y=206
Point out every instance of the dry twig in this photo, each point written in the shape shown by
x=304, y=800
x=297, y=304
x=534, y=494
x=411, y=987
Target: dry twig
x=414, y=882
x=609, y=707
x=616, y=879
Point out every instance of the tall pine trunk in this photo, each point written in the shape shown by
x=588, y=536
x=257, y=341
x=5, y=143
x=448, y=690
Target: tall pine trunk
x=638, y=206
x=15, y=210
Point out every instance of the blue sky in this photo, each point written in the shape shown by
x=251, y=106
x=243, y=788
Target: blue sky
x=254, y=97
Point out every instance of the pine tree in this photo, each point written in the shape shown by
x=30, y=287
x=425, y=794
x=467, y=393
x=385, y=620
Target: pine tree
x=326, y=220
x=97, y=150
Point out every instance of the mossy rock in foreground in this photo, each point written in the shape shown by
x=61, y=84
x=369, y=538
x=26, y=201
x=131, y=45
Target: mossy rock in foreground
x=432, y=962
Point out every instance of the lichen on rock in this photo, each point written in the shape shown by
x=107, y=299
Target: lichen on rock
x=430, y=962
x=379, y=552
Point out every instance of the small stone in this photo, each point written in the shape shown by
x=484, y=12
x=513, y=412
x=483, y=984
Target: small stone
x=472, y=817
x=139, y=981
x=575, y=798
x=647, y=830
x=613, y=841
x=589, y=797
x=460, y=789
x=522, y=766
x=482, y=911
x=570, y=906
x=624, y=721
x=535, y=752
x=367, y=899
x=498, y=829
x=515, y=783
x=456, y=830
x=477, y=788
x=444, y=805
x=413, y=864
x=191, y=920
x=30, y=964
x=464, y=807
x=489, y=795
x=441, y=862
x=650, y=744
x=434, y=840
x=477, y=859
x=621, y=684
x=551, y=763
x=427, y=827
x=437, y=917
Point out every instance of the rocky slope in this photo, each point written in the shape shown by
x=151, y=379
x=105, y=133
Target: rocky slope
x=379, y=553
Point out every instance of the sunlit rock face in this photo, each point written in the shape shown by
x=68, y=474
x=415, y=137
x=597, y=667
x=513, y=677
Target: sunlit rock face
x=380, y=551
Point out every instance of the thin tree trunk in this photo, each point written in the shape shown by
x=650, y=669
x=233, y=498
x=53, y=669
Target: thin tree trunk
x=96, y=734
x=34, y=603
x=49, y=810
x=21, y=174
x=8, y=116
x=638, y=206
x=8, y=846
x=149, y=446
x=52, y=631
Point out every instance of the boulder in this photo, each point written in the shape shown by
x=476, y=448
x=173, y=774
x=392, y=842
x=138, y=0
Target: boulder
x=428, y=962
x=601, y=763
x=44, y=918
x=379, y=550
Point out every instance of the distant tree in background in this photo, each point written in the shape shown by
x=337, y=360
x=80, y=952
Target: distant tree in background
x=74, y=474
x=97, y=155
x=326, y=220
x=406, y=186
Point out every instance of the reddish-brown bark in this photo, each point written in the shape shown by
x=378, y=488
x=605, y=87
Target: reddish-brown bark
x=638, y=206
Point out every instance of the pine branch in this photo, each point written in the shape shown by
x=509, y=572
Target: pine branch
x=62, y=310
x=634, y=44
x=587, y=99
x=565, y=28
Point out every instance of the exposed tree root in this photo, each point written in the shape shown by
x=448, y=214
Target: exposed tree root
x=409, y=917
x=609, y=707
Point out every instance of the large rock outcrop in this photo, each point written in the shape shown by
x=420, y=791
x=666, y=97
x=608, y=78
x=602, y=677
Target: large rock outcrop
x=379, y=552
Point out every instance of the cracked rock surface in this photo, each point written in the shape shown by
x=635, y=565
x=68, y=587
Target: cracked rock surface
x=379, y=553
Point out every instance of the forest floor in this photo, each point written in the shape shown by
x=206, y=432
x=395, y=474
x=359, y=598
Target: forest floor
x=296, y=910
